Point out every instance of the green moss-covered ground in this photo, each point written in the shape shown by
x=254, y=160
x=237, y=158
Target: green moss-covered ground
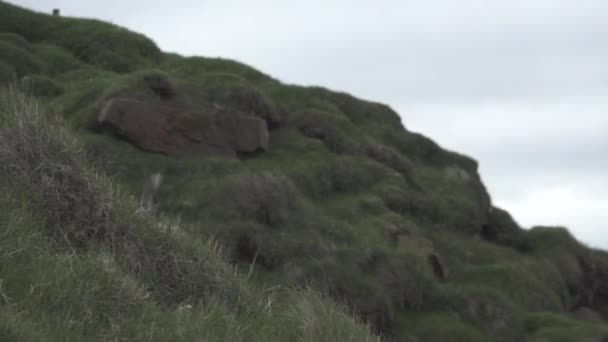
x=346, y=206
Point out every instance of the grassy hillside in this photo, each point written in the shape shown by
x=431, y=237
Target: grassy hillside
x=344, y=206
x=78, y=264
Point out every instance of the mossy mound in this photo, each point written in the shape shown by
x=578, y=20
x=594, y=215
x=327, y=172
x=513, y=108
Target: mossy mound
x=57, y=60
x=94, y=42
x=15, y=39
x=22, y=60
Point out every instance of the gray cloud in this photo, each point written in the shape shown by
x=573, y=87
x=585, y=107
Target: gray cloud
x=520, y=85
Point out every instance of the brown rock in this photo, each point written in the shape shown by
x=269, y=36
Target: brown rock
x=177, y=130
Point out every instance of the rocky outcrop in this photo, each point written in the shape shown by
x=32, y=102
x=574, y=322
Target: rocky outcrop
x=502, y=229
x=178, y=130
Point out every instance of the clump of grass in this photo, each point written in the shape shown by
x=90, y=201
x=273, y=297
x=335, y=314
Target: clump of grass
x=378, y=285
x=245, y=98
x=328, y=127
x=41, y=86
x=438, y=327
x=80, y=210
x=408, y=202
x=362, y=113
x=548, y=326
x=266, y=198
x=15, y=39
x=487, y=309
x=339, y=175
x=57, y=60
x=389, y=157
x=190, y=68
x=7, y=73
x=38, y=155
x=311, y=310
x=581, y=268
x=535, y=286
x=23, y=61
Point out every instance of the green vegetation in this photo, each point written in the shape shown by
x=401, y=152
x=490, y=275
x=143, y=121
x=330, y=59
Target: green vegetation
x=100, y=44
x=79, y=265
x=347, y=224
x=7, y=72
x=22, y=60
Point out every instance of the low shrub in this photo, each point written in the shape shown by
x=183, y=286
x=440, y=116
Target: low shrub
x=548, y=326
x=159, y=83
x=534, y=286
x=486, y=309
x=321, y=322
x=244, y=98
x=7, y=74
x=358, y=111
x=413, y=145
x=57, y=60
x=15, y=39
x=41, y=86
x=23, y=61
x=264, y=198
x=339, y=175
x=389, y=157
x=437, y=327
x=195, y=68
x=379, y=284
x=144, y=85
x=352, y=174
x=330, y=128
x=409, y=202
x=577, y=264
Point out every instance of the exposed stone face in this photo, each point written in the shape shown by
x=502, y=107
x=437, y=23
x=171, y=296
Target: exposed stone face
x=177, y=130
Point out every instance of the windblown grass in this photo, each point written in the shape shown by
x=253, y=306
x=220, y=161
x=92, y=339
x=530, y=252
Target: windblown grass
x=78, y=264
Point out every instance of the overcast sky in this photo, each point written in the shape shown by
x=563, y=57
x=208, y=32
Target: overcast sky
x=520, y=85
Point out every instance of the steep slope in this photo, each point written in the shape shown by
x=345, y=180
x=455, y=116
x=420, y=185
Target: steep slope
x=78, y=264
x=310, y=186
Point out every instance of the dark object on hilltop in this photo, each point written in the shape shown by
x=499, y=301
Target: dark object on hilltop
x=180, y=131
x=56, y=12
